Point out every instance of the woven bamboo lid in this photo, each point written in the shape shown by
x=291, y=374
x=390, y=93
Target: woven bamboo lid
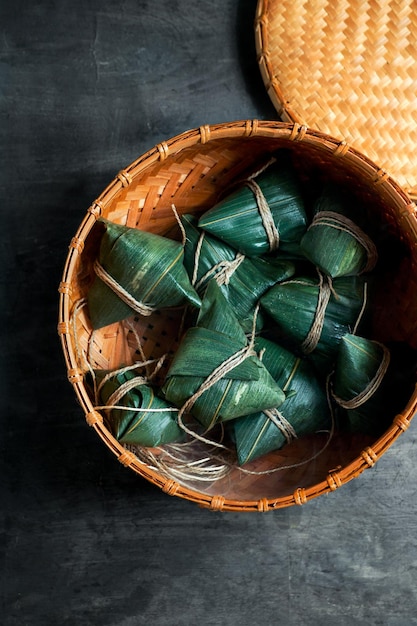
x=347, y=68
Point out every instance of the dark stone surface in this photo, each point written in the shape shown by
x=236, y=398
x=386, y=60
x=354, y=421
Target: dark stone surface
x=85, y=88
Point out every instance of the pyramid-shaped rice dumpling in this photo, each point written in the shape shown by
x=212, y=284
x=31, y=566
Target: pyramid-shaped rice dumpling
x=217, y=369
x=335, y=243
x=153, y=425
x=241, y=280
x=359, y=385
x=137, y=272
x=315, y=313
x=304, y=411
x=263, y=214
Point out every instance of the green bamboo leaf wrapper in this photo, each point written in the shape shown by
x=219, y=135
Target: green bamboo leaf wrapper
x=205, y=348
x=330, y=244
x=359, y=360
x=148, y=427
x=149, y=267
x=293, y=306
x=217, y=336
x=237, y=221
x=216, y=314
x=243, y=285
x=305, y=407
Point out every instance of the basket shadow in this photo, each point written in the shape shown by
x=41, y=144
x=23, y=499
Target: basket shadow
x=248, y=59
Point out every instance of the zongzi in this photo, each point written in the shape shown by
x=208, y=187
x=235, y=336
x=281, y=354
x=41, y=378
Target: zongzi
x=136, y=414
x=304, y=411
x=315, y=313
x=215, y=374
x=264, y=213
x=334, y=242
x=137, y=272
x=241, y=280
x=359, y=385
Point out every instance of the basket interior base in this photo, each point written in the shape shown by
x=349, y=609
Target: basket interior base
x=303, y=463
x=278, y=483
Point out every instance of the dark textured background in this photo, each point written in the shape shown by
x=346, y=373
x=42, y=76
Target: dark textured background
x=85, y=88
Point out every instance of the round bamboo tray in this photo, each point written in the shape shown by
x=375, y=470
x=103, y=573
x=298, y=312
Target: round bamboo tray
x=349, y=69
x=191, y=171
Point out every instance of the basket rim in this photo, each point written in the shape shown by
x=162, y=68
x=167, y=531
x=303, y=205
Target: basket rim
x=245, y=128
x=265, y=40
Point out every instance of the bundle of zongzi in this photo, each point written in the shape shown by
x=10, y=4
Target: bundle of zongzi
x=215, y=374
x=137, y=272
x=315, y=313
x=264, y=213
x=242, y=280
x=333, y=242
x=304, y=411
x=138, y=416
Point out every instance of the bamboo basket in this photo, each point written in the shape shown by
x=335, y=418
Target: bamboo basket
x=192, y=170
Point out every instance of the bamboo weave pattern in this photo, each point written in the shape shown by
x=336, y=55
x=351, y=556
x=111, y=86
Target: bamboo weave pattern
x=346, y=68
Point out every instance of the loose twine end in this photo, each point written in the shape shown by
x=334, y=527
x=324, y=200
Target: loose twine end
x=180, y=224
x=222, y=271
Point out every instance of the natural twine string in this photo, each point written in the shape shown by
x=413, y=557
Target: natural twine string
x=130, y=384
x=173, y=461
x=180, y=224
x=344, y=224
x=263, y=206
x=362, y=311
x=197, y=258
x=266, y=214
x=217, y=374
x=139, y=348
x=373, y=385
x=281, y=423
x=222, y=271
x=125, y=296
x=276, y=416
x=325, y=290
x=124, y=389
x=262, y=169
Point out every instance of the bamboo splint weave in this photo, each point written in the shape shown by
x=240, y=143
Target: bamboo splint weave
x=191, y=171
x=349, y=69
